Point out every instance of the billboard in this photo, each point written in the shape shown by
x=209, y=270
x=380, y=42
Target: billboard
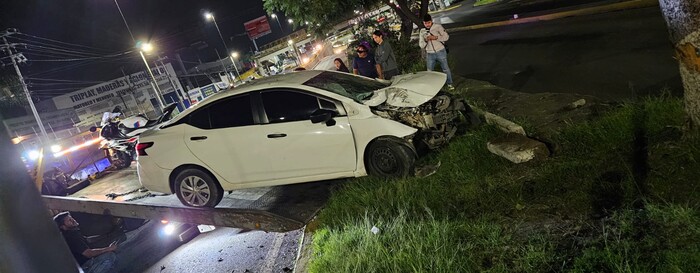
x=257, y=27
x=132, y=92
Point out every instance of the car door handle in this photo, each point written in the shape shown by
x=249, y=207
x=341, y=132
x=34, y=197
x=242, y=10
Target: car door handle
x=276, y=135
x=198, y=138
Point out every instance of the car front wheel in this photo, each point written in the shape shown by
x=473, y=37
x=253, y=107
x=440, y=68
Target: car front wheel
x=390, y=158
x=196, y=188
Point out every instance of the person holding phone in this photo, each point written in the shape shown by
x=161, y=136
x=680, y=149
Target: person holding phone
x=91, y=260
x=432, y=40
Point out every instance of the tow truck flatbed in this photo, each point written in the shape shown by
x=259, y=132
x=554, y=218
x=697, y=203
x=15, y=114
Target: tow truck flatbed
x=276, y=209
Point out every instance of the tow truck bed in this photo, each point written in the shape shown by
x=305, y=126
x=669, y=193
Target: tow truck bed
x=277, y=209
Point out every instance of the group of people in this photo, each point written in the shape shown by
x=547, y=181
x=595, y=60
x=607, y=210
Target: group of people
x=383, y=64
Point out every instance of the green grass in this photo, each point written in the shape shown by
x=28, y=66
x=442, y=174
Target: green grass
x=577, y=211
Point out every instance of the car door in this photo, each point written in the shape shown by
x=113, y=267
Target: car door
x=300, y=147
x=224, y=136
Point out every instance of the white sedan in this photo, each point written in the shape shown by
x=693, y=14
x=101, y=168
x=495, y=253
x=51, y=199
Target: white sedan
x=298, y=127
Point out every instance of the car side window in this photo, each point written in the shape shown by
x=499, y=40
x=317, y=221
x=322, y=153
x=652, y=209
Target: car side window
x=288, y=106
x=200, y=119
x=229, y=112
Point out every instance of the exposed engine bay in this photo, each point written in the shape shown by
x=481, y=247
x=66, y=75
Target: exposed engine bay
x=437, y=120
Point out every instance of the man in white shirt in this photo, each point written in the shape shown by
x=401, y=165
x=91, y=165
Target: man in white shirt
x=432, y=38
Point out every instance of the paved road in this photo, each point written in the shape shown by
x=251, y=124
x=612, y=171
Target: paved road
x=466, y=14
x=611, y=55
x=221, y=250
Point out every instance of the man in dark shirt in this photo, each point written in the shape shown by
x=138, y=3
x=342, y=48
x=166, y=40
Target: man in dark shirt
x=363, y=64
x=92, y=260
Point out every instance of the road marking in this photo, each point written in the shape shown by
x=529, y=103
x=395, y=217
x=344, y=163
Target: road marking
x=585, y=11
x=273, y=253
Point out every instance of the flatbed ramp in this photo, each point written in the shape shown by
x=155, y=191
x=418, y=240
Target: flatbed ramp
x=276, y=209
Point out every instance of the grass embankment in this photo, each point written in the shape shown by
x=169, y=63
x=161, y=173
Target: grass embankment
x=579, y=211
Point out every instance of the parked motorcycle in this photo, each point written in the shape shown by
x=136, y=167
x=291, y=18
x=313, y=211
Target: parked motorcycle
x=120, y=134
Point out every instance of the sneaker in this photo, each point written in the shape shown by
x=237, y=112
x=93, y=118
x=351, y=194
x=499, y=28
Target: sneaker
x=450, y=87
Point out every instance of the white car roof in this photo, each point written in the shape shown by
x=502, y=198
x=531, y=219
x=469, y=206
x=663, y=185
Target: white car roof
x=294, y=79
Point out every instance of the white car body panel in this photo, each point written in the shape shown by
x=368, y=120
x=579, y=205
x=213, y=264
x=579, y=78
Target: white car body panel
x=410, y=90
x=241, y=157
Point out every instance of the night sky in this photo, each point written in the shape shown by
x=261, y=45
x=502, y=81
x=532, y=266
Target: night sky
x=171, y=26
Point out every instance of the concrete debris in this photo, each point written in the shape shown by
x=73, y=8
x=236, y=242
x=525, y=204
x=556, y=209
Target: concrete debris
x=576, y=104
x=504, y=124
x=518, y=148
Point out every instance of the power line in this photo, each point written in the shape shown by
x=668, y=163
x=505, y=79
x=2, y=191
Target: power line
x=82, y=59
x=56, y=41
x=51, y=45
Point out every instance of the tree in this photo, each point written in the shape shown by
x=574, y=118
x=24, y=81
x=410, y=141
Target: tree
x=327, y=13
x=683, y=20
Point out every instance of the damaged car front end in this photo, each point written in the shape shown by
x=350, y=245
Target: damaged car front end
x=416, y=100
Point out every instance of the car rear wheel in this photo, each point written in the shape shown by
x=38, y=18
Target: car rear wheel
x=196, y=188
x=390, y=158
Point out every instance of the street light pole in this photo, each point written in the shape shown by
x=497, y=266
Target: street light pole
x=153, y=80
x=211, y=17
x=154, y=85
x=233, y=56
x=274, y=16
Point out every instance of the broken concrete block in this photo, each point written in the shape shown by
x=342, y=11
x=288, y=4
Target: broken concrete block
x=504, y=124
x=576, y=104
x=518, y=148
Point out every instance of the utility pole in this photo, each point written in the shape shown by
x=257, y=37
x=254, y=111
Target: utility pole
x=43, y=137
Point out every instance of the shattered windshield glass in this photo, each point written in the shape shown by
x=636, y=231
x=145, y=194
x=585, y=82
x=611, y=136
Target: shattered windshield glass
x=356, y=88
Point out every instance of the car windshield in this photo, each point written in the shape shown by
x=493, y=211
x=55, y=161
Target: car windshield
x=351, y=86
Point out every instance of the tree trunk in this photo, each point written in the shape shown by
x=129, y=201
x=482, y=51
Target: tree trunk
x=683, y=19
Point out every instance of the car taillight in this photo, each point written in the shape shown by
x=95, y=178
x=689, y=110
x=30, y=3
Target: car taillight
x=141, y=148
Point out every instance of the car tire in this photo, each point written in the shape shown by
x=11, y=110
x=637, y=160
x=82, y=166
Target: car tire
x=390, y=158
x=197, y=188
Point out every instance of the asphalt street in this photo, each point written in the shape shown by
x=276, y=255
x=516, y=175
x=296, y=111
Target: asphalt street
x=613, y=55
x=147, y=249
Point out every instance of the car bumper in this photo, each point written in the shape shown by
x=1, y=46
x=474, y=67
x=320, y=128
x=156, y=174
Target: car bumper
x=153, y=178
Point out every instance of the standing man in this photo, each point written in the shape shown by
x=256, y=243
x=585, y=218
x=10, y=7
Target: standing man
x=364, y=64
x=432, y=39
x=92, y=260
x=384, y=55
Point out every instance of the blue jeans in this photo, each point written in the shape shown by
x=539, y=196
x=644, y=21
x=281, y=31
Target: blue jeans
x=101, y=264
x=440, y=56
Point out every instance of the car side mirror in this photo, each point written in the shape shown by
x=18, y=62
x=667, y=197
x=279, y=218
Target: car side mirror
x=323, y=115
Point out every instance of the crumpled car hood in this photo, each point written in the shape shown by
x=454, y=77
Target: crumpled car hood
x=410, y=90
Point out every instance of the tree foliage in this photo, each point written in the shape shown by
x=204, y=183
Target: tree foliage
x=324, y=14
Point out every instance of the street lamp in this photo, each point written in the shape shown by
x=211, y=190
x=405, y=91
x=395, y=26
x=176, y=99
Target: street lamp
x=294, y=49
x=147, y=47
x=234, y=55
x=274, y=16
x=210, y=17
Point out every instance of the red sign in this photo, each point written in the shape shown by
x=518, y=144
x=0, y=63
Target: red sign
x=257, y=27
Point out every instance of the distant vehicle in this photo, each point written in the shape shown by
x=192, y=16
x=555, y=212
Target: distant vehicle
x=298, y=127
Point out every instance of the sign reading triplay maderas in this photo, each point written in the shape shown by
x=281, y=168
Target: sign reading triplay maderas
x=104, y=91
x=132, y=92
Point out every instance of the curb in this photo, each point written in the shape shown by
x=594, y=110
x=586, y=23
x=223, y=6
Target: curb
x=500, y=122
x=580, y=12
